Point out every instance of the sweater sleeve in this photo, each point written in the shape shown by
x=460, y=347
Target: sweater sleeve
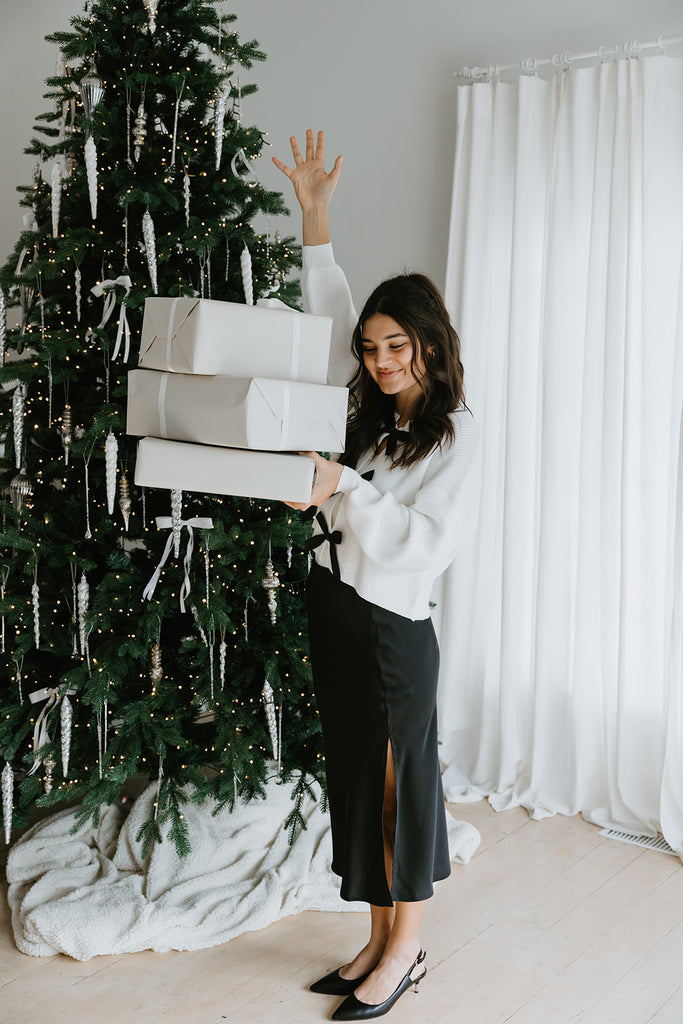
x=426, y=534
x=326, y=292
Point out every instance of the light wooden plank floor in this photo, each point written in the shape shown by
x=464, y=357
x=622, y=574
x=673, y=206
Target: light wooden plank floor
x=549, y=924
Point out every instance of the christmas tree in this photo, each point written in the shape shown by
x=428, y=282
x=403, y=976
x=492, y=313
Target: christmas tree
x=144, y=185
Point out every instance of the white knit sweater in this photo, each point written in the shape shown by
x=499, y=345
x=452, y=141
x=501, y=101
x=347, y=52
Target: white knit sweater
x=402, y=529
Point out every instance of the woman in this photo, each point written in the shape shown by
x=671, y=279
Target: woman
x=393, y=511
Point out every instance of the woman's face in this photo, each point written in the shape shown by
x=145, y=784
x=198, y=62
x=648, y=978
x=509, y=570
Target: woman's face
x=387, y=355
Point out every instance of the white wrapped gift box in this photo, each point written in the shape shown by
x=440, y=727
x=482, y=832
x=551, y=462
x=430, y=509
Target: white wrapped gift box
x=258, y=413
x=189, y=335
x=210, y=470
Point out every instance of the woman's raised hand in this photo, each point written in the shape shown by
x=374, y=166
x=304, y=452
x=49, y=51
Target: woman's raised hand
x=312, y=184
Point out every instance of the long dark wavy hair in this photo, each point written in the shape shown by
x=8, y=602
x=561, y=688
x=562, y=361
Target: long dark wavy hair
x=415, y=303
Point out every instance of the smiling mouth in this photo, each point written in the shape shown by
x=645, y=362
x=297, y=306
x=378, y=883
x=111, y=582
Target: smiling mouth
x=388, y=373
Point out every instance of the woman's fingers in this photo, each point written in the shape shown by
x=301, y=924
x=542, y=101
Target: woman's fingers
x=282, y=167
x=336, y=170
x=313, y=155
x=296, y=152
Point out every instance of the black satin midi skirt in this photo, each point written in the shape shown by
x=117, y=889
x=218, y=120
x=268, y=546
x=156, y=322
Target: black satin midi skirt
x=375, y=677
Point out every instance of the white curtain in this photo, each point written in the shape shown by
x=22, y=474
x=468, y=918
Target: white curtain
x=561, y=627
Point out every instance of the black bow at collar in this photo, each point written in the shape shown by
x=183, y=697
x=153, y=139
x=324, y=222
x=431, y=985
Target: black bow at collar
x=394, y=435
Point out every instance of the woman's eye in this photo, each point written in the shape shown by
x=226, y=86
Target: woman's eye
x=395, y=348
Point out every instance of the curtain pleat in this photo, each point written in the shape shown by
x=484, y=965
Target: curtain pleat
x=560, y=626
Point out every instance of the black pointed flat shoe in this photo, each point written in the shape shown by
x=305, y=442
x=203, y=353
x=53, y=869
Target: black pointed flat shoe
x=334, y=985
x=354, y=1009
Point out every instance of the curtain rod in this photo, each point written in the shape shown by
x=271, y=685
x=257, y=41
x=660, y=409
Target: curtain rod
x=562, y=61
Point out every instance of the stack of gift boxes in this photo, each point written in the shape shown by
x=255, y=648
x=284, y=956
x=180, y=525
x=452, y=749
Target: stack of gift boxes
x=227, y=394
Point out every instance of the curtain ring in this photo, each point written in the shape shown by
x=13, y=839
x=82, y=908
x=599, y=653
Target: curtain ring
x=528, y=66
x=632, y=49
x=662, y=46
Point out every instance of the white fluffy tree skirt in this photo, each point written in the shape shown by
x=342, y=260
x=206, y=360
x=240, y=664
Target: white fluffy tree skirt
x=92, y=893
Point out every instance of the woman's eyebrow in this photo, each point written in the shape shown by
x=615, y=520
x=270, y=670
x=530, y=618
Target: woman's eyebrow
x=386, y=337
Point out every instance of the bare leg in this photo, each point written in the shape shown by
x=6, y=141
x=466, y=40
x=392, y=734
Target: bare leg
x=402, y=945
x=381, y=918
x=381, y=921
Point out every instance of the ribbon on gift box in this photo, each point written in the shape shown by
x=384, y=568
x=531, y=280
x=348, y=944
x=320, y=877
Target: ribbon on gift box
x=106, y=288
x=166, y=523
x=296, y=330
x=41, y=735
x=169, y=333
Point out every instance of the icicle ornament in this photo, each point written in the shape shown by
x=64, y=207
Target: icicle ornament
x=269, y=703
x=111, y=451
x=156, y=672
x=124, y=500
x=91, y=170
x=247, y=280
x=83, y=599
x=222, y=96
x=139, y=130
x=186, y=197
x=17, y=677
x=77, y=287
x=270, y=583
x=35, y=601
x=176, y=516
x=150, y=249
x=74, y=609
x=18, y=400
x=152, y=6
x=100, y=743
x=174, y=144
x=91, y=88
x=50, y=381
x=105, y=716
x=212, y=644
x=237, y=103
x=222, y=652
x=3, y=326
x=66, y=718
x=67, y=431
x=56, y=196
x=158, y=794
x=7, y=799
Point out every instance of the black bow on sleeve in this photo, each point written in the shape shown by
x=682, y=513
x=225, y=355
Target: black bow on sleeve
x=333, y=539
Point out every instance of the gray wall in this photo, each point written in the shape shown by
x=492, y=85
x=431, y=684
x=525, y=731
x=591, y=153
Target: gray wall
x=376, y=74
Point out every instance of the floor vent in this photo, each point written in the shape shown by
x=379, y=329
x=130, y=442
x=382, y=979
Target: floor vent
x=658, y=843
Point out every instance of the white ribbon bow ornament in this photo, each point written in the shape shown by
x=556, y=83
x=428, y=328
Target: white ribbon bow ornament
x=166, y=523
x=107, y=289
